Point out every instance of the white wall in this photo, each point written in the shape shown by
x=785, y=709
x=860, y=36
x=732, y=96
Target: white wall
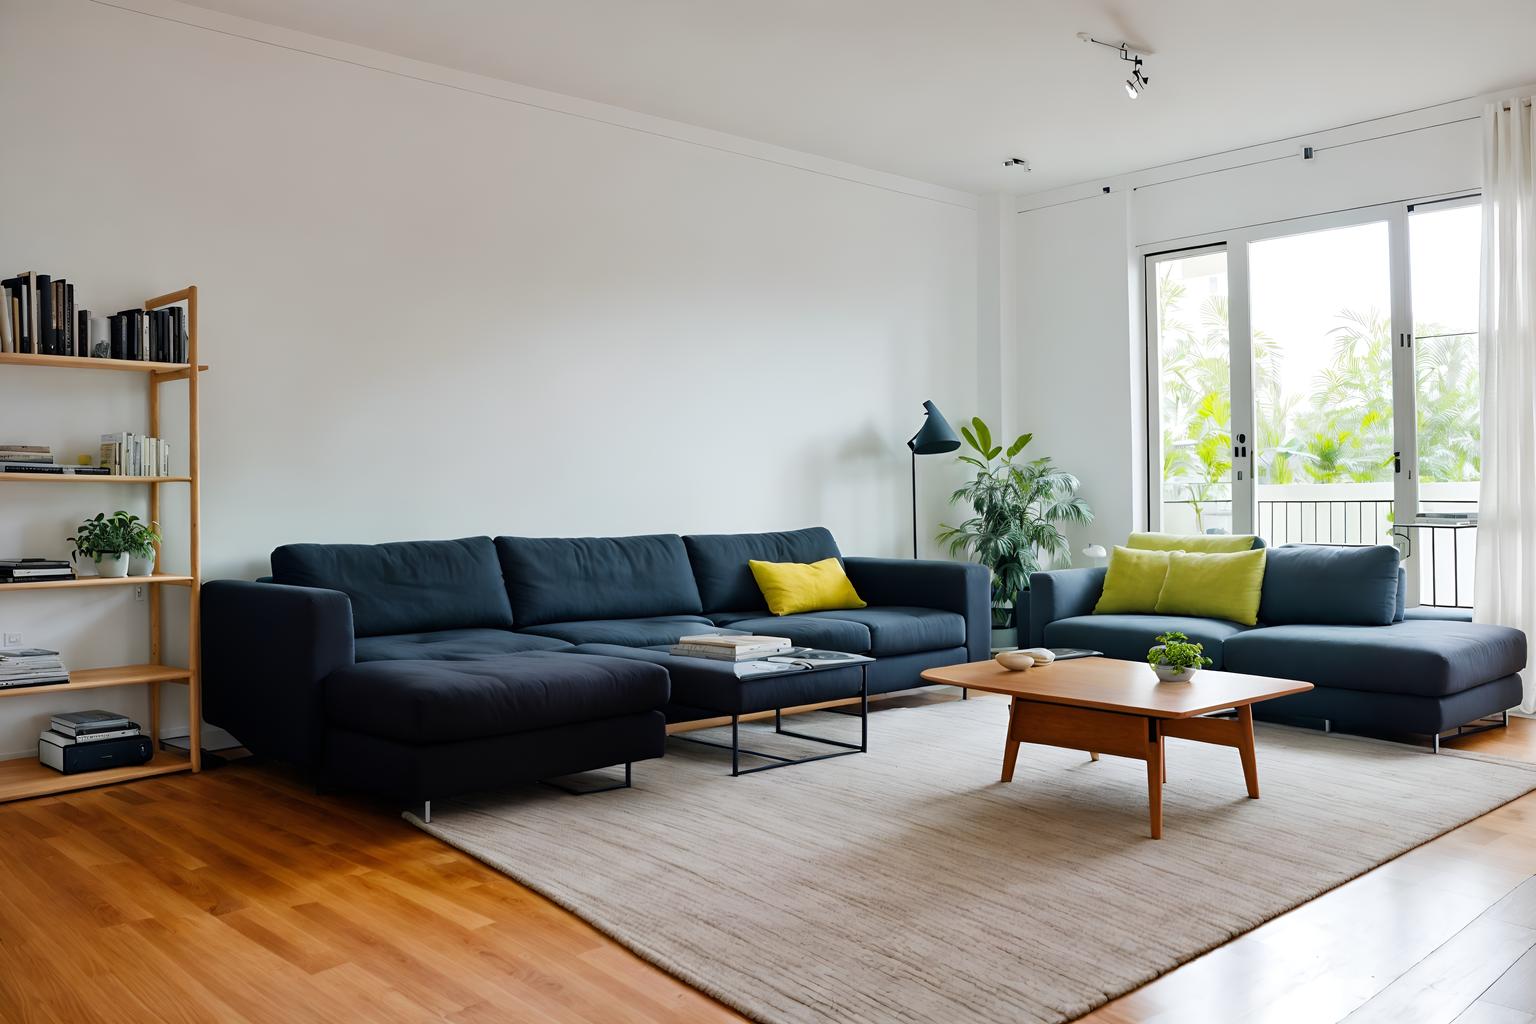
x=1080, y=340
x=436, y=305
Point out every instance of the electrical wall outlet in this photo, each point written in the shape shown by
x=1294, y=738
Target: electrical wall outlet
x=138, y=591
x=13, y=639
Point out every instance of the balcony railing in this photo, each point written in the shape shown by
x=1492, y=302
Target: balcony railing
x=1446, y=563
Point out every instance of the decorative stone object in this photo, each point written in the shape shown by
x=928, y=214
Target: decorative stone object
x=1015, y=661
x=1042, y=655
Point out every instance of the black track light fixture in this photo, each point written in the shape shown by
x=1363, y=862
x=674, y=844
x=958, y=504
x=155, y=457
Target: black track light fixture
x=1139, y=80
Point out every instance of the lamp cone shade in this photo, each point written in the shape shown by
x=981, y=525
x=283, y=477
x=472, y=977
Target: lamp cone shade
x=936, y=436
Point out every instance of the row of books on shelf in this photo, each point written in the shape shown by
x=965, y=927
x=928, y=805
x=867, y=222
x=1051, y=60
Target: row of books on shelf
x=83, y=741
x=38, y=315
x=122, y=454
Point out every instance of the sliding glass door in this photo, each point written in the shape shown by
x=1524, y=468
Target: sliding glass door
x=1291, y=395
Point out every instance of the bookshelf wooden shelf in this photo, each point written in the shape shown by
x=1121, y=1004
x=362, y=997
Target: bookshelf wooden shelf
x=100, y=678
x=83, y=363
x=26, y=777
x=107, y=478
x=97, y=581
x=23, y=778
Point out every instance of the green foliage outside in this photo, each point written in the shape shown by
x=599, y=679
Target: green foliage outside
x=1340, y=433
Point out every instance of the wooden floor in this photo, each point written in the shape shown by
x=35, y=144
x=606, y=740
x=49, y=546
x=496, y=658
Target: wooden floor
x=240, y=896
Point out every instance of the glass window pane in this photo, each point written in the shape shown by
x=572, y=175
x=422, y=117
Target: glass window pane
x=1321, y=310
x=1194, y=392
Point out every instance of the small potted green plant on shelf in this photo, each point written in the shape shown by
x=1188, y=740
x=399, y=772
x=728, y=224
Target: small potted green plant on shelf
x=142, y=538
x=1176, y=658
x=106, y=541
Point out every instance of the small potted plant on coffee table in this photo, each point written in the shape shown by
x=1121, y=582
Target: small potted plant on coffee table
x=1176, y=658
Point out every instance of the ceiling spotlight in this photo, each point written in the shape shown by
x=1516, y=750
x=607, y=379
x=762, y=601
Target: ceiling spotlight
x=1138, y=82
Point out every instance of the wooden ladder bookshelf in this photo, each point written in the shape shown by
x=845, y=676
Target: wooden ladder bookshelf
x=26, y=777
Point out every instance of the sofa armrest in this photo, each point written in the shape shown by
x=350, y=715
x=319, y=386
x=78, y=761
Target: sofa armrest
x=961, y=587
x=1061, y=594
x=266, y=650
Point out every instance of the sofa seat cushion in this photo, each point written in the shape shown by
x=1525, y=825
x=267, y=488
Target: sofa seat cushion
x=554, y=579
x=448, y=701
x=1129, y=637
x=902, y=630
x=1418, y=657
x=1441, y=614
x=407, y=587
x=720, y=560
x=664, y=629
x=822, y=632
x=452, y=645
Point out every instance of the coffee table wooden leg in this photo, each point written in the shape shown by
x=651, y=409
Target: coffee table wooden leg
x=1155, y=777
x=1093, y=754
x=1246, y=750
x=1162, y=753
x=1011, y=747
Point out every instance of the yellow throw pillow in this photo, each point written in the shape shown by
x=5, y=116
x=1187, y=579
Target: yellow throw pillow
x=1190, y=541
x=1214, y=585
x=1133, y=582
x=791, y=587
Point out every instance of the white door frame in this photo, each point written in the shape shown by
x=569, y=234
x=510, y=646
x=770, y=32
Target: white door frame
x=1235, y=242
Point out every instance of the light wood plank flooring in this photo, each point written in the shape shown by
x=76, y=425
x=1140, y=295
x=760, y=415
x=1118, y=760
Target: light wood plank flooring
x=241, y=896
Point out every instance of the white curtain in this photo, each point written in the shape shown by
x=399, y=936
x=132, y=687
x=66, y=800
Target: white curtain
x=1506, y=535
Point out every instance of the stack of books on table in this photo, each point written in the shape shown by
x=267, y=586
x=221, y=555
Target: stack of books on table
x=747, y=655
x=730, y=648
x=90, y=740
x=34, y=570
x=30, y=666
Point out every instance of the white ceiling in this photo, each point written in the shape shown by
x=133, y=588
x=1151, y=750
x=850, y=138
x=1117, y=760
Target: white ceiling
x=945, y=90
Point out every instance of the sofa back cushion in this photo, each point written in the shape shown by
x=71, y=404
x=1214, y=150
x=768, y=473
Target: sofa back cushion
x=1308, y=584
x=720, y=560
x=409, y=587
x=1201, y=542
x=555, y=579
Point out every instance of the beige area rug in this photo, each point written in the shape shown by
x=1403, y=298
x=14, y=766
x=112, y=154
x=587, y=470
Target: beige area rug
x=908, y=884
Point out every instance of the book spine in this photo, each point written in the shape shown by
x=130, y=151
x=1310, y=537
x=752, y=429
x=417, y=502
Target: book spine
x=43, y=287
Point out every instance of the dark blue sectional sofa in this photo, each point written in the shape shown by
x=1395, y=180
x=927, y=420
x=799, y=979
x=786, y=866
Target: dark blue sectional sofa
x=429, y=668
x=1331, y=616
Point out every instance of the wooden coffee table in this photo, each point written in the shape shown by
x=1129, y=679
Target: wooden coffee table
x=1102, y=705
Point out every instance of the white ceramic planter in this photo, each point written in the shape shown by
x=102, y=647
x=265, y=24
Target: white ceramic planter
x=141, y=566
x=1004, y=639
x=1169, y=674
x=112, y=566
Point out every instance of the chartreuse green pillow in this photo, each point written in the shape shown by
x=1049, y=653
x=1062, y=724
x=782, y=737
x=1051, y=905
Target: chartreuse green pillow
x=1133, y=582
x=1214, y=585
x=1190, y=541
x=792, y=587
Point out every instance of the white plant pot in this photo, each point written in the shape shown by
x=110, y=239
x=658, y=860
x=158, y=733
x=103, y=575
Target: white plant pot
x=1169, y=674
x=1004, y=639
x=83, y=565
x=141, y=566
x=112, y=566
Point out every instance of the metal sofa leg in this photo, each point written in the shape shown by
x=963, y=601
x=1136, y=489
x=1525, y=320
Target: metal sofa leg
x=426, y=812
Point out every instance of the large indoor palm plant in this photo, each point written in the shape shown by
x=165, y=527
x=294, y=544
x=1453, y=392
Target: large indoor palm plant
x=1017, y=508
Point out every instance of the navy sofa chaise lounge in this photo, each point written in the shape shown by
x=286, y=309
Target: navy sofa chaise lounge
x=429, y=668
x=1330, y=616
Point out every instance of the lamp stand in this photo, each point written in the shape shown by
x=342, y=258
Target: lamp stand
x=914, y=504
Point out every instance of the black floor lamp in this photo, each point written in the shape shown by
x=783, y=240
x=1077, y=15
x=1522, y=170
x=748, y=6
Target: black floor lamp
x=935, y=438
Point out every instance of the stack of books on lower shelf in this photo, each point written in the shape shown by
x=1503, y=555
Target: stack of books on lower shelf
x=34, y=570
x=30, y=666
x=83, y=741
